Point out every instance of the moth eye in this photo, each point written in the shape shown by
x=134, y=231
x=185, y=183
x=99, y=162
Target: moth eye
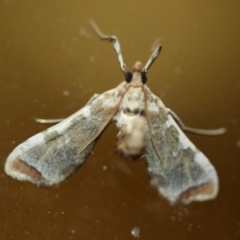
x=142, y=113
x=136, y=111
x=144, y=78
x=127, y=110
x=128, y=77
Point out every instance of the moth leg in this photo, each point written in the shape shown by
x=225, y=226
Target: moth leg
x=49, y=121
x=58, y=120
x=114, y=40
x=209, y=132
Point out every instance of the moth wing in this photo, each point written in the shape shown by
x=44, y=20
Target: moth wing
x=179, y=171
x=51, y=156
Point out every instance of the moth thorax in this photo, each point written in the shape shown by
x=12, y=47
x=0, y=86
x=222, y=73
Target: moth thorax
x=131, y=144
x=138, y=77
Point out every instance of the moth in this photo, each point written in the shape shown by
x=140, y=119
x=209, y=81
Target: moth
x=176, y=168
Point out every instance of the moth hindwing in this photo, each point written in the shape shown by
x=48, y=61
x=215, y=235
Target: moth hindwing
x=179, y=171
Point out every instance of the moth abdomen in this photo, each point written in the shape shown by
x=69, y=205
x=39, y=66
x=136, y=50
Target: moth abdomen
x=129, y=153
x=131, y=144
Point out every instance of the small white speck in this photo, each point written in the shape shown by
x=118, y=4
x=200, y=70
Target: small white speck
x=238, y=143
x=66, y=93
x=13, y=142
x=178, y=70
x=74, y=38
x=84, y=33
x=104, y=167
x=190, y=226
x=136, y=232
x=234, y=121
x=73, y=231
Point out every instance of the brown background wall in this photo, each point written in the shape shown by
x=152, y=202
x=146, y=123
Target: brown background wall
x=51, y=64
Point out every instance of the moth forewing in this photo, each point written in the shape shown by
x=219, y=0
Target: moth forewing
x=51, y=156
x=183, y=174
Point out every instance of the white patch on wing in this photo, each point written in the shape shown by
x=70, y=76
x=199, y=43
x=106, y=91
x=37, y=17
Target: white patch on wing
x=66, y=139
x=184, y=142
x=202, y=160
x=166, y=125
x=152, y=107
x=175, y=153
x=87, y=112
x=108, y=103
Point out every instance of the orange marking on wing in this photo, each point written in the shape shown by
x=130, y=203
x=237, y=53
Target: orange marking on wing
x=204, y=189
x=20, y=166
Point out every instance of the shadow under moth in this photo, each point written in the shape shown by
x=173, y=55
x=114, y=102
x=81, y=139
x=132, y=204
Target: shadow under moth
x=176, y=168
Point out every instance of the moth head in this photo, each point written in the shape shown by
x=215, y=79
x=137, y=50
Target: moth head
x=137, y=67
x=136, y=76
x=139, y=73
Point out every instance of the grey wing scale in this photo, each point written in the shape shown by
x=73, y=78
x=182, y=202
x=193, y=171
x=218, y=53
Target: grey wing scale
x=182, y=173
x=51, y=156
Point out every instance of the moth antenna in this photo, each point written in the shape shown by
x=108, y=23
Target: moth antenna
x=114, y=40
x=48, y=121
x=155, y=44
x=156, y=49
x=208, y=132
